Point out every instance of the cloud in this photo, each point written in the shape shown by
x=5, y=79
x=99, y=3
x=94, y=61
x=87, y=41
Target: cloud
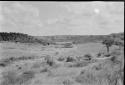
x=1, y=18
x=110, y=14
x=20, y=17
x=43, y=18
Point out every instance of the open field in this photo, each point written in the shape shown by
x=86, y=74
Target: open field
x=35, y=64
x=61, y=43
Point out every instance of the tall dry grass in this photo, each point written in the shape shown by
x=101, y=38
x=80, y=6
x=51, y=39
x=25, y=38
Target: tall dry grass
x=107, y=72
x=14, y=78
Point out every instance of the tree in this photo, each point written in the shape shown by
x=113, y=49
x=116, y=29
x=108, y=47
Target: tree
x=108, y=43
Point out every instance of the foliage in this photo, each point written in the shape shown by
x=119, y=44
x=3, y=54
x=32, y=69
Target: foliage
x=20, y=37
x=70, y=59
x=108, y=42
x=87, y=56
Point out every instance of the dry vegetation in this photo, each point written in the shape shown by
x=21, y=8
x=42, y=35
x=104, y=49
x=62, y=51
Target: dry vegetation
x=58, y=66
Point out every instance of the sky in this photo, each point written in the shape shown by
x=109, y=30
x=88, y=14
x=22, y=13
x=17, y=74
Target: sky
x=42, y=18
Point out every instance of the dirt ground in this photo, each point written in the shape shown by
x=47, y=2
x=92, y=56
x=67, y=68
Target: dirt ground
x=25, y=64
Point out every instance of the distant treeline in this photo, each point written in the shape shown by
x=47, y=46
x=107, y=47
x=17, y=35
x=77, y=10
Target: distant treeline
x=117, y=35
x=20, y=37
x=45, y=40
x=79, y=39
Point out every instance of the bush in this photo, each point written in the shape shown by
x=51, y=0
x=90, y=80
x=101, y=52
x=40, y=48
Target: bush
x=61, y=59
x=49, y=60
x=70, y=59
x=67, y=82
x=87, y=56
x=7, y=61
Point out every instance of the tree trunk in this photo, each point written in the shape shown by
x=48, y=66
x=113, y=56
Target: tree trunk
x=107, y=49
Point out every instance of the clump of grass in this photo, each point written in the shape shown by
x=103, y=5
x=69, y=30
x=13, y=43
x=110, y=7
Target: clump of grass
x=26, y=57
x=70, y=59
x=13, y=78
x=7, y=61
x=49, y=60
x=102, y=73
x=9, y=78
x=10, y=60
x=26, y=76
x=87, y=57
x=99, y=54
x=107, y=55
x=67, y=82
x=61, y=59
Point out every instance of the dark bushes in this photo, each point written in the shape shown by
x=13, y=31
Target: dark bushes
x=70, y=59
x=87, y=56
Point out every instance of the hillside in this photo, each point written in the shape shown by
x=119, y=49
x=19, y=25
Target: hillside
x=76, y=39
x=79, y=39
x=20, y=37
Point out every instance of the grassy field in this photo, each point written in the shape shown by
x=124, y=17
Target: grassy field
x=35, y=64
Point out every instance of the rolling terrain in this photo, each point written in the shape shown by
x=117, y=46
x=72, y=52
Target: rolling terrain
x=86, y=63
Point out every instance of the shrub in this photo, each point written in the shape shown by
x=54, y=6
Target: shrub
x=87, y=56
x=49, y=60
x=107, y=55
x=87, y=78
x=67, y=82
x=61, y=59
x=70, y=59
x=99, y=54
x=6, y=62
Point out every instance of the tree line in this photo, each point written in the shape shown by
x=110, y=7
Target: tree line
x=20, y=37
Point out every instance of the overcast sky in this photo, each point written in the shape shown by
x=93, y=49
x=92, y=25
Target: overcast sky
x=62, y=18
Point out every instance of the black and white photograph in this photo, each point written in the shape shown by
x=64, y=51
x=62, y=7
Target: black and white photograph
x=61, y=42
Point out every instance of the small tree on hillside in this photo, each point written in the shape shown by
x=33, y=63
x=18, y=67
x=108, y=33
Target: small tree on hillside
x=108, y=43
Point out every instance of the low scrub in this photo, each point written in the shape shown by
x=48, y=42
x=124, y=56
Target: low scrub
x=67, y=82
x=106, y=72
x=14, y=78
x=49, y=61
x=61, y=59
x=70, y=59
x=88, y=57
